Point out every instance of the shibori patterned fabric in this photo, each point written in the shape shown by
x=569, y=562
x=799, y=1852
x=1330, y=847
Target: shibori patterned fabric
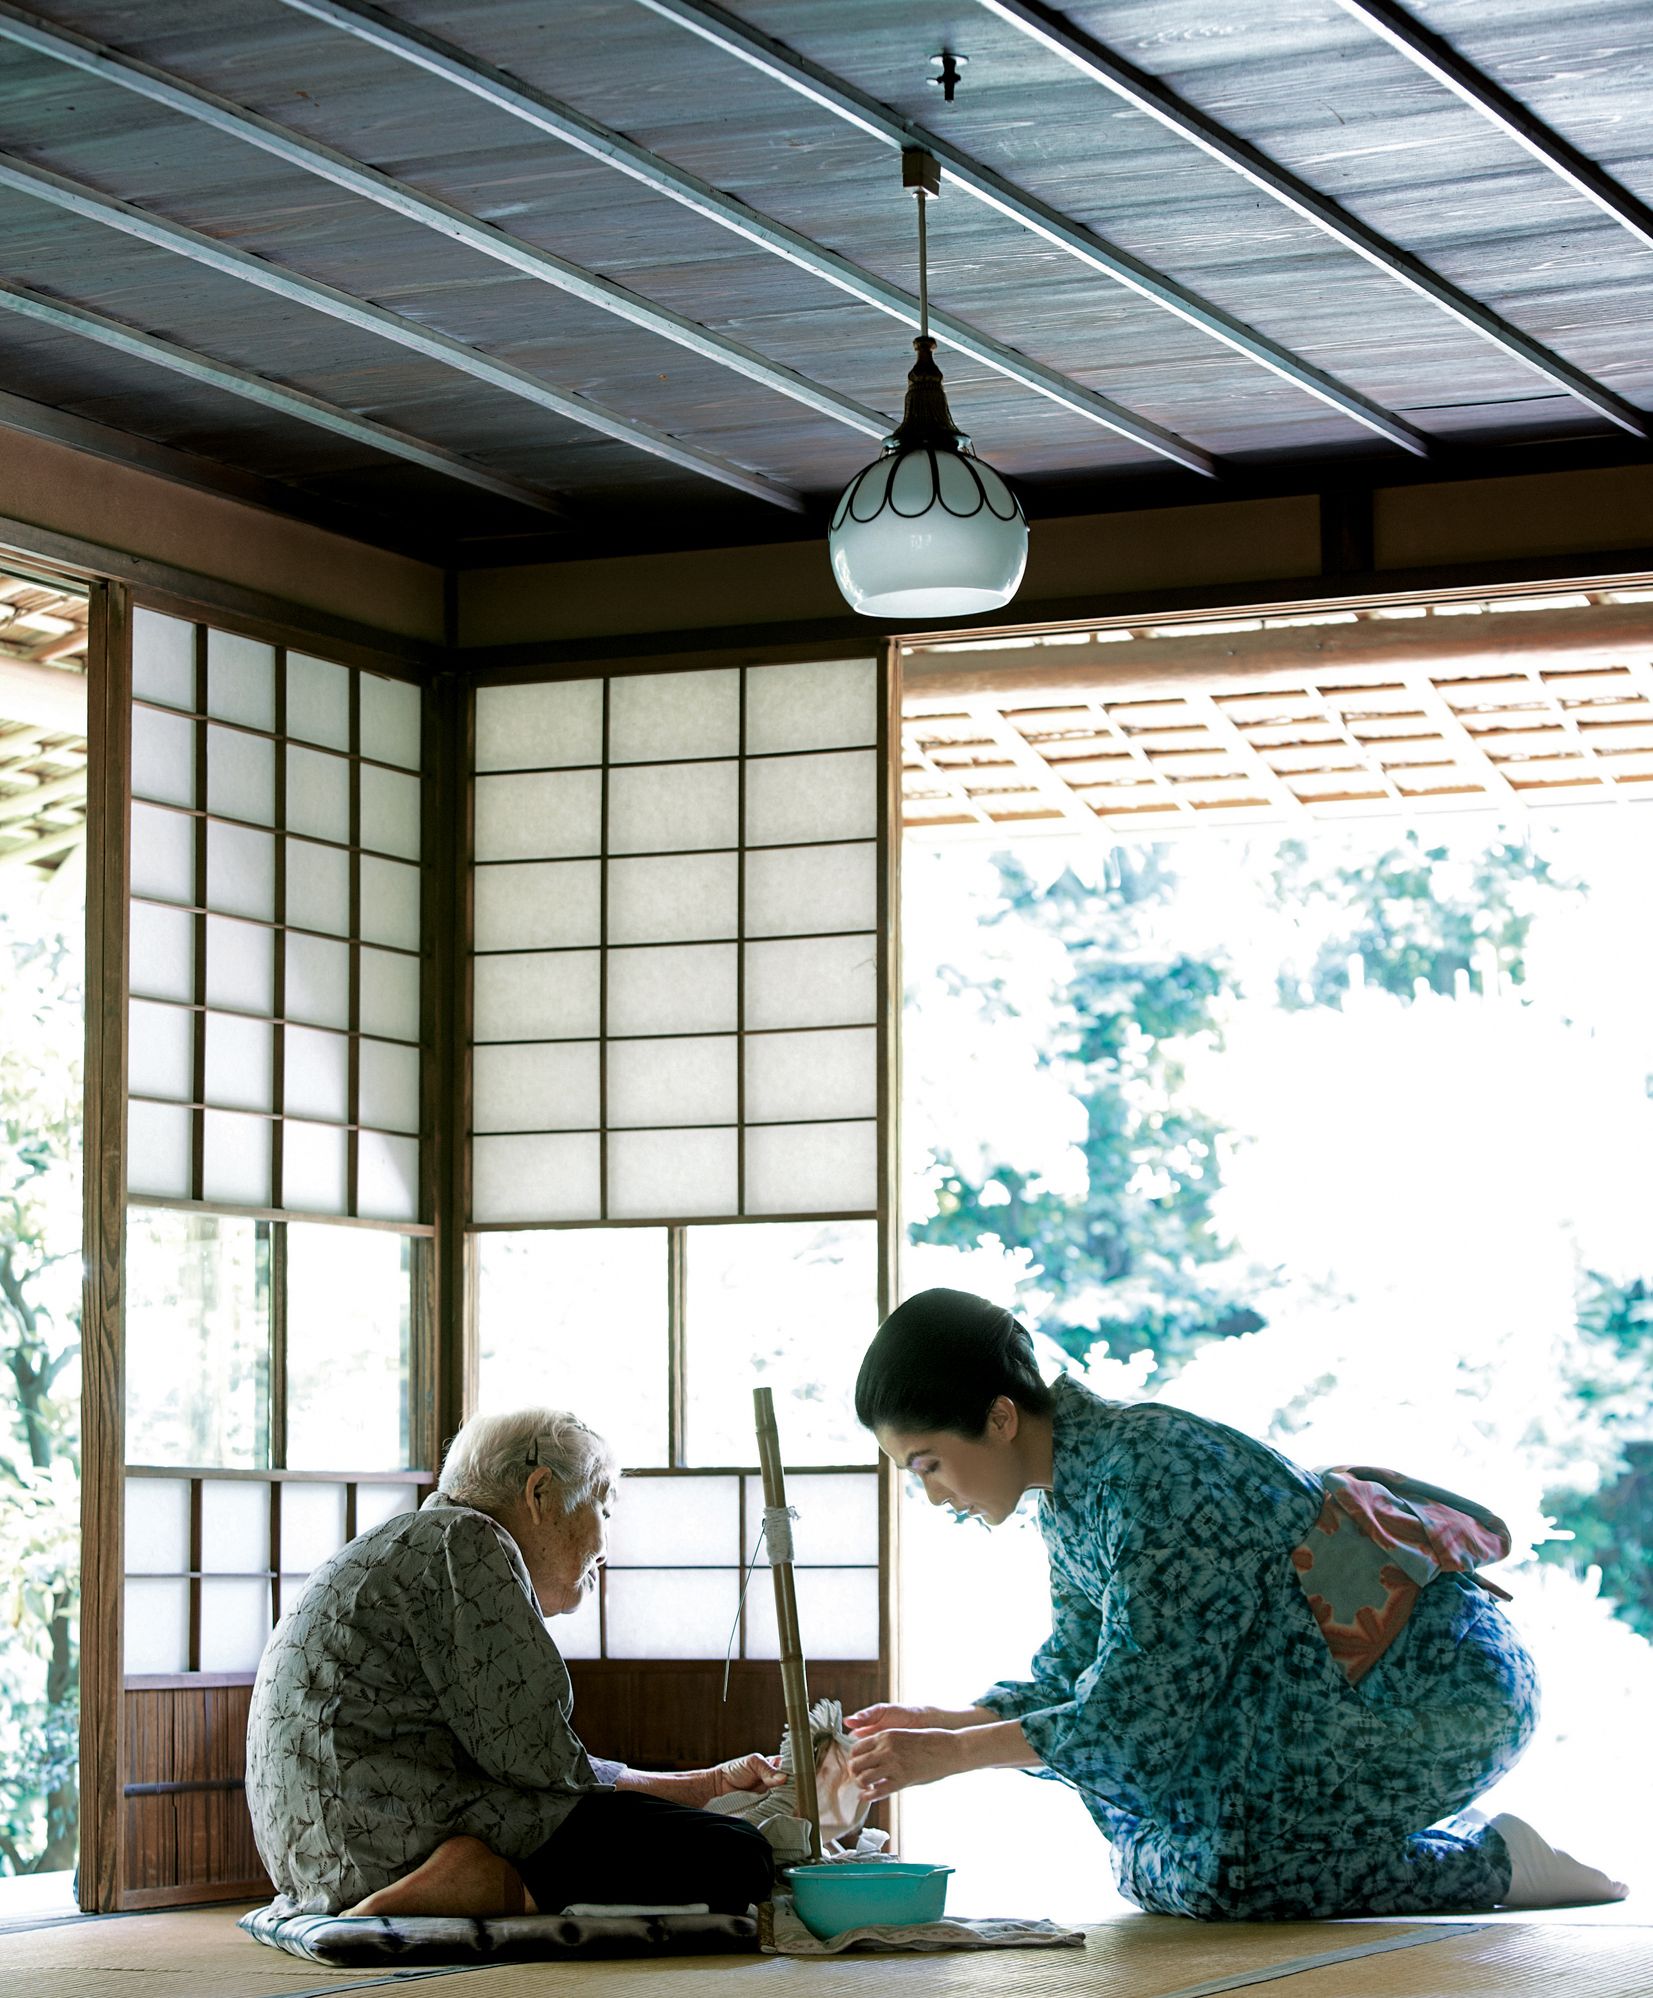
x=1380, y=1540
x=345, y=1942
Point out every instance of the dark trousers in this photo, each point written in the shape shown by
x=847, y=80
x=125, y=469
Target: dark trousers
x=619, y=1845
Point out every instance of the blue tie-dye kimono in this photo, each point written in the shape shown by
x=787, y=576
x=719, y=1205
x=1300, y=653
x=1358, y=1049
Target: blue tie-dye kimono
x=1187, y=1692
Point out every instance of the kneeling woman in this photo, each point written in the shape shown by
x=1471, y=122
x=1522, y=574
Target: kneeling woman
x=410, y=1749
x=1262, y=1706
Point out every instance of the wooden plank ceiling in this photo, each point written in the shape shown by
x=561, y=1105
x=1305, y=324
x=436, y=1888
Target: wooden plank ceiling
x=576, y=273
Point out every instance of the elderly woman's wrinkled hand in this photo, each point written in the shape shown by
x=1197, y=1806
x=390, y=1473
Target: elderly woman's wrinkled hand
x=746, y=1772
x=902, y=1759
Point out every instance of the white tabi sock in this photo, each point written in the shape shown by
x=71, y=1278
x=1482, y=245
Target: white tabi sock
x=1542, y=1877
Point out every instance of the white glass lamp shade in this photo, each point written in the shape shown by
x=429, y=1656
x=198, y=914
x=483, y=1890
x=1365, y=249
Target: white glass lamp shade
x=927, y=532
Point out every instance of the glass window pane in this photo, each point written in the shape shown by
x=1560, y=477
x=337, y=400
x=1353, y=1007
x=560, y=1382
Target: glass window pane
x=686, y=989
x=676, y=1523
x=318, y=887
x=794, y=1076
x=553, y=996
x=316, y=1074
x=797, y=891
x=240, y=965
x=240, y=871
x=390, y=1086
x=815, y=982
x=236, y=1160
x=828, y=706
x=673, y=714
x=546, y=727
x=312, y=1525
x=538, y=905
x=156, y=1634
x=163, y=659
x=390, y=902
x=391, y=715
x=197, y=1339
x=812, y=1168
x=235, y=1622
x=674, y=898
x=241, y=775
x=812, y=797
x=314, y=1167
x=673, y=807
x=837, y=1614
x=788, y=1305
x=159, y=1141
x=163, y=757
x=318, y=981
x=390, y=995
x=535, y=1179
x=521, y=1087
x=672, y=1613
x=349, y=1320
x=668, y=1173
x=318, y=794
x=240, y=1053
x=576, y=1318
x=240, y=679
x=160, y=1051
x=552, y=817
x=157, y=1526
x=837, y=1523
x=163, y=854
x=387, y=1177
x=390, y=811
x=318, y=701
x=235, y=1527
x=673, y=1082
x=162, y=953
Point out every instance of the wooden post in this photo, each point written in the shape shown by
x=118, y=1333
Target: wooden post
x=794, y=1678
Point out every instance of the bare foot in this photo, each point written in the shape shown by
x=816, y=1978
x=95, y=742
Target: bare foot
x=462, y=1877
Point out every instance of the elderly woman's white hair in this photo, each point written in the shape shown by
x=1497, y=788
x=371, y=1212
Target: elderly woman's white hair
x=488, y=1462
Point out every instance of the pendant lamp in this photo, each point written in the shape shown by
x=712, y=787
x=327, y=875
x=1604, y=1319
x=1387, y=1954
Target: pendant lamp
x=927, y=530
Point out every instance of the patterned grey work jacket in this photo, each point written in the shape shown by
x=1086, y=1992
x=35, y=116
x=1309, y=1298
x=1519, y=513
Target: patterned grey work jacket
x=412, y=1693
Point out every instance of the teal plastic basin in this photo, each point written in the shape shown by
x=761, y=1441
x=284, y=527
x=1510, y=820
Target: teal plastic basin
x=854, y=1894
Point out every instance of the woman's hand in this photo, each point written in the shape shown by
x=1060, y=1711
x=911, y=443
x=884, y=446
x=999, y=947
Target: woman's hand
x=745, y=1772
x=875, y=1720
x=697, y=1787
x=901, y=1758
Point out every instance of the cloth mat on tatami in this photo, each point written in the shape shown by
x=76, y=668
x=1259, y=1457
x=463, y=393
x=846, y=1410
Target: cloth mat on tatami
x=347, y=1942
x=781, y=1932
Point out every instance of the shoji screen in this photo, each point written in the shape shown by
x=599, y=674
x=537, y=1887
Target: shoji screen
x=277, y=1231
x=679, y=1053
x=675, y=979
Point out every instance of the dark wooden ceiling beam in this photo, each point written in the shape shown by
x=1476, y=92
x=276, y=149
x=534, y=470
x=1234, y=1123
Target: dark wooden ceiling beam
x=855, y=107
x=1100, y=64
x=75, y=198
x=599, y=142
x=158, y=86
x=292, y=402
x=1438, y=59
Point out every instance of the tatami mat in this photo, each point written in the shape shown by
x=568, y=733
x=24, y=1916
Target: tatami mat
x=199, y=1953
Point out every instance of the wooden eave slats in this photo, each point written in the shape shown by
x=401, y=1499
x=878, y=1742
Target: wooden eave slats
x=1430, y=734
x=42, y=762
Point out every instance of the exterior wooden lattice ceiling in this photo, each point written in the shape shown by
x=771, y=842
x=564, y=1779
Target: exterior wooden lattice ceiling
x=616, y=271
x=1133, y=755
x=42, y=724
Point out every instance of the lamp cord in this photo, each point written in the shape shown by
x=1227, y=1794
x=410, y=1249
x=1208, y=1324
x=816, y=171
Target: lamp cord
x=923, y=271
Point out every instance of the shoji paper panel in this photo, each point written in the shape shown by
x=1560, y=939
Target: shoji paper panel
x=678, y=875
x=276, y=925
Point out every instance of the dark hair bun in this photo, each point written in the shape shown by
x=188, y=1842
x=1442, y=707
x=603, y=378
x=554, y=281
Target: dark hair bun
x=941, y=1360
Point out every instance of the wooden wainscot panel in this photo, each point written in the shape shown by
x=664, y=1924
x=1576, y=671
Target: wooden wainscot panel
x=671, y=1714
x=188, y=1832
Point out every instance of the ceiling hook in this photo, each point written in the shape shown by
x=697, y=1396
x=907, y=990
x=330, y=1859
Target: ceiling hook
x=950, y=72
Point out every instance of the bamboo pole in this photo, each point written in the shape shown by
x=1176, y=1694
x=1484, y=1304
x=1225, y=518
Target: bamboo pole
x=794, y=1678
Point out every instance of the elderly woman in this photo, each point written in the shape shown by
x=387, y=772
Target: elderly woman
x=1269, y=1685
x=410, y=1747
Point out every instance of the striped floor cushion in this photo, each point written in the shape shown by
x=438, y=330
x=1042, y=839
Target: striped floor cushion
x=348, y=1941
